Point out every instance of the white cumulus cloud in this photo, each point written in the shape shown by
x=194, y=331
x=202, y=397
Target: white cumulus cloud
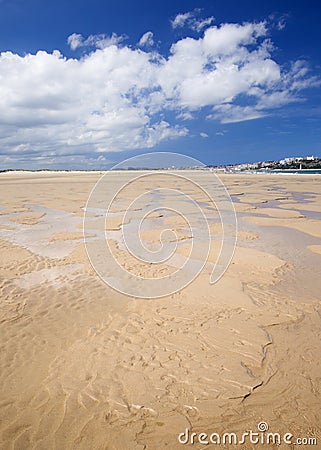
x=146, y=40
x=76, y=40
x=192, y=20
x=116, y=97
x=181, y=19
x=200, y=24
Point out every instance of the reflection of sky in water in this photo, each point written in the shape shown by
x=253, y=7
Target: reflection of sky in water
x=310, y=214
x=36, y=238
x=291, y=246
x=286, y=243
x=166, y=205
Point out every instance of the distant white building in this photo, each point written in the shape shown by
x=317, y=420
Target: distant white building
x=310, y=158
x=290, y=160
x=286, y=161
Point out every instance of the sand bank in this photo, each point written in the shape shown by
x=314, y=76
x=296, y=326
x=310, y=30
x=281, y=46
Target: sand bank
x=85, y=367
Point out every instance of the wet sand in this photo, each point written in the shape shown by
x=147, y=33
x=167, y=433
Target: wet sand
x=85, y=367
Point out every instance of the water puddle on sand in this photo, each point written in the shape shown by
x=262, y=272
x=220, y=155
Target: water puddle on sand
x=55, y=275
x=154, y=226
x=290, y=245
x=36, y=237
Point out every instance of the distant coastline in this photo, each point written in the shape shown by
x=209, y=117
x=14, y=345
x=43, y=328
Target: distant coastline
x=308, y=165
x=297, y=171
x=210, y=169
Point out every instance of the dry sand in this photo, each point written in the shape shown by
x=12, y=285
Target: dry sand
x=84, y=367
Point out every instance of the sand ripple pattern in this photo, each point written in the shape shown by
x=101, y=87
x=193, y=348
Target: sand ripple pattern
x=158, y=195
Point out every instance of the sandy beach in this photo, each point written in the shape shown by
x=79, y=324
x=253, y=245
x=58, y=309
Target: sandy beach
x=86, y=367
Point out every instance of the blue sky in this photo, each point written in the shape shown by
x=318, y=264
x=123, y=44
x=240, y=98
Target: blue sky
x=88, y=84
